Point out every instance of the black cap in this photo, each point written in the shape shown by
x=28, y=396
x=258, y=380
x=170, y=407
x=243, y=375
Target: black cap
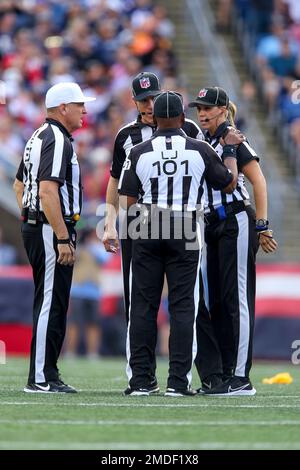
x=145, y=84
x=211, y=96
x=168, y=105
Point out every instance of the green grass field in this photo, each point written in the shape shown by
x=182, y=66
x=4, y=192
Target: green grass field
x=99, y=417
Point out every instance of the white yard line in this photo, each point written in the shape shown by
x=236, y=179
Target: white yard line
x=120, y=391
x=9, y=378
x=147, y=445
x=128, y=422
x=211, y=403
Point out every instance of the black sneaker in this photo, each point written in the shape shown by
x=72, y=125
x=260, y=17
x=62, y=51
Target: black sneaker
x=62, y=387
x=210, y=382
x=49, y=387
x=233, y=387
x=152, y=389
x=172, y=392
x=137, y=392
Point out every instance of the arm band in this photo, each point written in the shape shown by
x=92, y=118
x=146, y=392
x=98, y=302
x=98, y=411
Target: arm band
x=264, y=233
x=64, y=241
x=229, y=151
x=264, y=228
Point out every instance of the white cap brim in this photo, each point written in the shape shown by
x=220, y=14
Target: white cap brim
x=86, y=99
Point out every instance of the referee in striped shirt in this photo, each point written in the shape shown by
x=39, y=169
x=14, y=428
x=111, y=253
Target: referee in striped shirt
x=165, y=175
x=145, y=86
x=48, y=190
x=233, y=232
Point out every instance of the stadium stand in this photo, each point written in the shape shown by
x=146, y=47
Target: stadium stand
x=270, y=34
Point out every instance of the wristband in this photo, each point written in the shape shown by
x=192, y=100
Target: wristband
x=262, y=225
x=229, y=151
x=64, y=241
x=263, y=232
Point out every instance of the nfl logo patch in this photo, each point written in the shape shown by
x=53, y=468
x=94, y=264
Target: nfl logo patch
x=145, y=82
x=202, y=93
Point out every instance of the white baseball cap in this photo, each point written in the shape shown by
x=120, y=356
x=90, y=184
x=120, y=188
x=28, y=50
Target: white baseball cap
x=64, y=93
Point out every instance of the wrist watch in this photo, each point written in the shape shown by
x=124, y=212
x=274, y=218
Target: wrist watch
x=262, y=224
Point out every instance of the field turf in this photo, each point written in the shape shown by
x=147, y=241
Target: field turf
x=99, y=417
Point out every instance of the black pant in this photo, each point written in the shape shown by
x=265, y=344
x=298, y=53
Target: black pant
x=128, y=279
x=126, y=253
x=52, y=283
x=208, y=360
x=152, y=259
x=228, y=269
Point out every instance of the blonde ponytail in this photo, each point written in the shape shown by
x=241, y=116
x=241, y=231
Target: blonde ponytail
x=232, y=109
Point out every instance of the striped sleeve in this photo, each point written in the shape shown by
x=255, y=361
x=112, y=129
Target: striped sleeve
x=119, y=154
x=192, y=130
x=55, y=155
x=245, y=154
x=129, y=184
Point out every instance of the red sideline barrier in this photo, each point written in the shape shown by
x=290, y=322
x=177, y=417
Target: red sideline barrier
x=278, y=290
x=16, y=338
x=278, y=298
x=21, y=272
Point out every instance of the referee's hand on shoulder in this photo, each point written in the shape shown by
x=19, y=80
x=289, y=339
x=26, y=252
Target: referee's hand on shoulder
x=110, y=239
x=232, y=136
x=66, y=254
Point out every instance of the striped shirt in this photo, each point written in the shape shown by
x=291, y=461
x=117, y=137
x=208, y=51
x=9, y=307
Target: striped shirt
x=136, y=132
x=169, y=170
x=245, y=154
x=49, y=156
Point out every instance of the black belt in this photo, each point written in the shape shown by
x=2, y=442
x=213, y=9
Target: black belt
x=33, y=217
x=153, y=209
x=222, y=212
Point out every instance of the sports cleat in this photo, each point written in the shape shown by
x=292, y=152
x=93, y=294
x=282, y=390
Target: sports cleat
x=49, y=387
x=210, y=382
x=233, y=387
x=172, y=392
x=152, y=389
x=64, y=387
x=138, y=392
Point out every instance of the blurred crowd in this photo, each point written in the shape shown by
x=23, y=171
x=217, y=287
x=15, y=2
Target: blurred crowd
x=100, y=44
x=273, y=31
